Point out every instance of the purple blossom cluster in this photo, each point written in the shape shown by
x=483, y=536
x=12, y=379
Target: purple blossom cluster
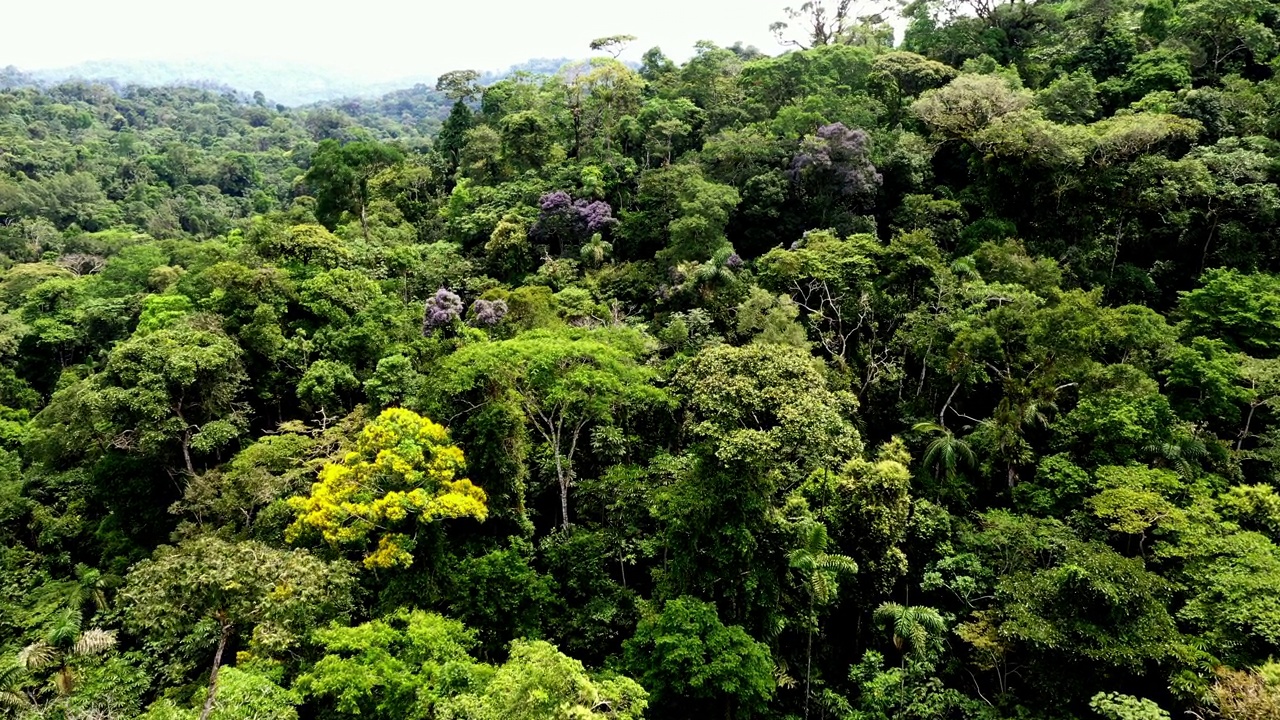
x=837, y=157
x=564, y=222
x=489, y=312
x=733, y=262
x=596, y=215
x=442, y=309
x=554, y=202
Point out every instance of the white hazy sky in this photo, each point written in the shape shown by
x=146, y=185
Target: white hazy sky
x=368, y=39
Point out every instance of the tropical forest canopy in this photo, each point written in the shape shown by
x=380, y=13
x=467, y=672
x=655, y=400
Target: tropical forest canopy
x=931, y=377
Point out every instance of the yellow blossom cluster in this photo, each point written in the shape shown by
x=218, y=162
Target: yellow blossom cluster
x=403, y=465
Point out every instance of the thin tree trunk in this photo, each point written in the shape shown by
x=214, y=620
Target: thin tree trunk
x=942, y=416
x=186, y=437
x=213, y=674
x=1204, y=254
x=1244, y=434
x=1115, y=254
x=550, y=431
x=186, y=452
x=808, y=667
x=924, y=367
x=564, y=491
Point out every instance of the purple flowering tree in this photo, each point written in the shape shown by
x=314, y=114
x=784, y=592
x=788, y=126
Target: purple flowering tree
x=564, y=224
x=443, y=309
x=554, y=202
x=489, y=312
x=833, y=167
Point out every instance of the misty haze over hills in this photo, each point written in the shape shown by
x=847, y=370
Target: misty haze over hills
x=284, y=83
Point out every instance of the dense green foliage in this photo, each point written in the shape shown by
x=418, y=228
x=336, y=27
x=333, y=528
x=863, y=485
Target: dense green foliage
x=934, y=380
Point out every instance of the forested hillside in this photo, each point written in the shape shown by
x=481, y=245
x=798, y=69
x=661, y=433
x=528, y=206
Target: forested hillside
x=276, y=83
x=933, y=378
x=286, y=83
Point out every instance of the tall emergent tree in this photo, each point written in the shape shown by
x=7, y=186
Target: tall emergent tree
x=562, y=382
x=173, y=389
x=340, y=174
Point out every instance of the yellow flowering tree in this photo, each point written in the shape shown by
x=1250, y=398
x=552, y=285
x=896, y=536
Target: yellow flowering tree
x=403, y=465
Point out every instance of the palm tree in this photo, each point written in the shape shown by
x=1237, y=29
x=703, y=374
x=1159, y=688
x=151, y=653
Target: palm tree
x=1180, y=452
x=911, y=626
x=595, y=251
x=63, y=641
x=820, y=572
x=945, y=452
x=1026, y=404
x=706, y=278
x=90, y=587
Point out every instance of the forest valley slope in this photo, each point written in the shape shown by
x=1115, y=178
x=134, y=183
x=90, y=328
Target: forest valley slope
x=930, y=380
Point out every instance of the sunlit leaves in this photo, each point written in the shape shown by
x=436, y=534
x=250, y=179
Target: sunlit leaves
x=242, y=586
x=403, y=468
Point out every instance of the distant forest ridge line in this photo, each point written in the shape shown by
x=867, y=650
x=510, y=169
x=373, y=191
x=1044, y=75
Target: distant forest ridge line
x=288, y=84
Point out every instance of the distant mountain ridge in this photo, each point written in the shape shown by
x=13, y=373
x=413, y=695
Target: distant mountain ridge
x=283, y=83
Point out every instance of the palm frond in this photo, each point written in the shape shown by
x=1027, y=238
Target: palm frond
x=782, y=674
x=836, y=563
x=774, y=627
x=823, y=587
x=13, y=700
x=95, y=584
x=919, y=637
x=945, y=451
x=887, y=613
x=10, y=675
x=930, y=619
x=814, y=537
x=10, y=696
x=801, y=559
x=904, y=626
x=37, y=655
x=94, y=641
x=910, y=625
x=1037, y=413
x=65, y=627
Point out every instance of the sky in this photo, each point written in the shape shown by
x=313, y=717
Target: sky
x=368, y=39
